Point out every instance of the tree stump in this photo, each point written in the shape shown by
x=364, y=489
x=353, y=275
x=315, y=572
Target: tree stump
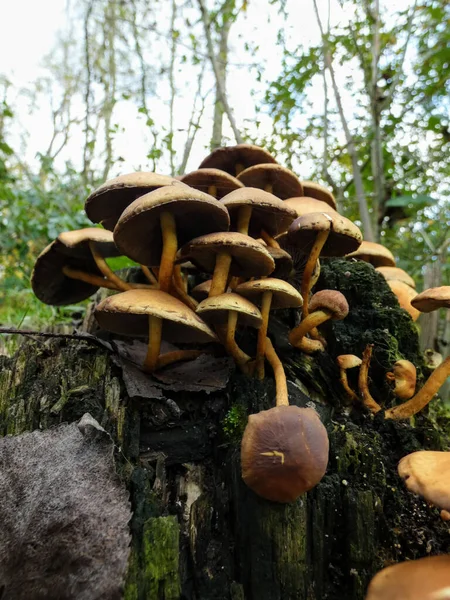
x=198, y=533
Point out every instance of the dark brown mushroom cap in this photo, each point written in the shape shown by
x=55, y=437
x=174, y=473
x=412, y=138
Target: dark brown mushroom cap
x=432, y=299
x=426, y=473
x=375, y=254
x=344, y=236
x=283, y=262
x=138, y=231
x=284, y=295
x=396, y=274
x=127, y=314
x=49, y=283
x=203, y=179
x=319, y=192
x=245, y=155
x=423, y=579
x=76, y=243
x=284, y=452
x=304, y=205
x=249, y=257
x=215, y=310
x=331, y=301
x=268, y=212
x=284, y=182
x=107, y=202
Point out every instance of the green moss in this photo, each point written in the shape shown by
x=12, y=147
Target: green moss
x=234, y=423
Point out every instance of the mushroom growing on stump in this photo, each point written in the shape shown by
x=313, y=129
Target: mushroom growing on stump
x=269, y=293
x=284, y=452
x=347, y=361
x=432, y=299
x=375, y=254
x=257, y=213
x=227, y=253
x=423, y=579
x=156, y=315
x=214, y=182
x=107, y=203
x=396, y=274
x=275, y=179
x=304, y=205
x=151, y=228
x=324, y=305
x=284, y=265
x=234, y=159
x=226, y=311
x=427, y=473
x=405, y=294
x=314, y=190
x=404, y=377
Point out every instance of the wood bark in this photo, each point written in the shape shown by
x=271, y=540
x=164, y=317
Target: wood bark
x=198, y=532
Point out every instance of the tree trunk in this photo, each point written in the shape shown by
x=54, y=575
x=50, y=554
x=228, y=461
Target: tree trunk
x=198, y=532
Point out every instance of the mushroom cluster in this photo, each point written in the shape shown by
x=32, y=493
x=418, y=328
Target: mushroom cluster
x=220, y=248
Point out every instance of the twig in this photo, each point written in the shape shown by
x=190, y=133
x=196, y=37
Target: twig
x=73, y=336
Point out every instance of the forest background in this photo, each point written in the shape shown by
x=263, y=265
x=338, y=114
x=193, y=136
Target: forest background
x=354, y=94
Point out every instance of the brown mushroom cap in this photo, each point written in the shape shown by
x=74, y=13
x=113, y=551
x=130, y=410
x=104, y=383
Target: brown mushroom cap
x=283, y=262
x=284, y=452
x=348, y=361
x=405, y=294
x=423, y=579
x=76, y=243
x=284, y=295
x=249, y=257
x=245, y=155
x=331, y=301
x=268, y=212
x=127, y=314
x=304, y=205
x=284, y=182
x=432, y=299
x=49, y=283
x=396, y=274
x=215, y=310
x=107, y=203
x=203, y=179
x=138, y=231
x=426, y=473
x=201, y=291
x=375, y=254
x=319, y=192
x=344, y=236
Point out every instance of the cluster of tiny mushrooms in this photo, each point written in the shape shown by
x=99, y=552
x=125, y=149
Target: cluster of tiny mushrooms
x=253, y=225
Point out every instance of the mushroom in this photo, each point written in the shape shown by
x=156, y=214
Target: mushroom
x=275, y=179
x=304, y=205
x=423, y=579
x=405, y=294
x=234, y=159
x=227, y=310
x=426, y=473
x=375, y=254
x=258, y=213
x=328, y=234
x=107, y=203
x=284, y=452
x=215, y=182
x=347, y=361
x=324, y=305
x=363, y=381
x=227, y=253
x=156, y=314
x=150, y=229
x=396, y=274
x=404, y=375
x=319, y=192
x=270, y=293
x=284, y=265
x=432, y=299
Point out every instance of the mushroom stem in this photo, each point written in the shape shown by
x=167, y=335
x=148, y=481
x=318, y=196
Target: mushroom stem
x=149, y=275
x=266, y=303
x=212, y=191
x=344, y=381
x=363, y=385
x=243, y=221
x=220, y=275
x=178, y=284
x=309, y=346
x=227, y=338
x=176, y=356
x=89, y=278
x=279, y=374
x=107, y=272
x=314, y=319
x=268, y=187
x=305, y=288
x=270, y=241
x=423, y=396
x=154, y=343
x=170, y=246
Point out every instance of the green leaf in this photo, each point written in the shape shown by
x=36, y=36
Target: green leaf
x=402, y=201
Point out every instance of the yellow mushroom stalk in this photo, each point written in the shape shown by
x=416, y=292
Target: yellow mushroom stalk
x=363, y=382
x=278, y=373
x=348, y=361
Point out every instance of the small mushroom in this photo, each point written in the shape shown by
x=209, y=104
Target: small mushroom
x=324, y=305
x=272, y=178
x=234, y=159
x=153, y=313
x=347, y=361
x=396, y=274
x=375, y=254
x=426, y=473
x=404, y=376
x=214, y=182
x=423, y=579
